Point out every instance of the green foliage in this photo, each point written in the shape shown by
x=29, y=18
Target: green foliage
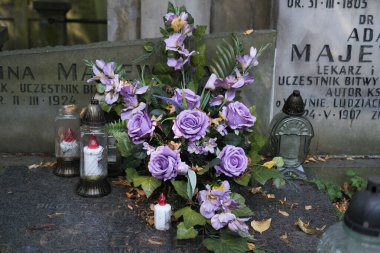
x=100, y=88
x=227, y=243
x=185, y=233
x=244, y=210
x=226, y=53
x=180, y=187
x=243, y=179
x=199, y=32
x=191, y=183
x=199, y=62
x=262, y=175
x=149, y=46
x=106, y=107
x=279, y=161
x=356, y=181
x=233, y=139
x=131, y=174
x=147, y=183
x=190, y=217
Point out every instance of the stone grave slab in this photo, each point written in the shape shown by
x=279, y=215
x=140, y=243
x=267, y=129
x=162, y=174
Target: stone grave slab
x=329, y=50
x=40, y=212
x=34, y=83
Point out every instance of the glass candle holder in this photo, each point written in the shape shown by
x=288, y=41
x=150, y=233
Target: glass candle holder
x=67, y=126
x=93, y=145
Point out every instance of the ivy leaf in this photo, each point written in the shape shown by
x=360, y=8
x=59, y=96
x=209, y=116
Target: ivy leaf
x=118, y=108
x=227, y=243
x=185, y=233
x=180, y=187
x=233, y=139
x=124, y=144
x=279, y=161
x=262, y=175
x=199, y=32
x=279, y=183
x=213, y=162
x=191, y=183
x=191, y=218
x=243, y=180
x=130, y=174
x=243, y=210
x=105, y=107
x=147, y=183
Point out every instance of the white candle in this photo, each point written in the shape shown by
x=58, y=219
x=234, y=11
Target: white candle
x=93, y=153
x=162, y=214
x=69, y=149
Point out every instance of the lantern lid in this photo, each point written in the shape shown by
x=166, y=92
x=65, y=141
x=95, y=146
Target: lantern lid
x=294, y=105
x=93, y=114
x=362, y=215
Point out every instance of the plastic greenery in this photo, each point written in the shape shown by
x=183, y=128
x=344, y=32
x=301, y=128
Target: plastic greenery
x=182, y=129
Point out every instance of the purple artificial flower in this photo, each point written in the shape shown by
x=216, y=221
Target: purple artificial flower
x=238, y=225
x=192, y=99
x=112, y=90
x=175, y=41
x=179, y=23
x=246, y=60
x=169, y=17
x=237, y=116
x=165, y=163
x=210, y=146
x=104, y=72
x=233, y=161
x=211, y=82
x=218, y=100
x=149, y=149
x=219, y=221
x=193, y=148
x=131, y=104
x=211, y=199
x=221, y=128
x=140, y=127
x=191, y=124
x=247, y=79
x=182, y=60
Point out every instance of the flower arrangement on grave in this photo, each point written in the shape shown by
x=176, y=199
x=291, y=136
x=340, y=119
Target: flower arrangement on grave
x=184, y=128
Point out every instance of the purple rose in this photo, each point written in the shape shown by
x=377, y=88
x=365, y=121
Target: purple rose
x=192, y=99
x=140, y=127
x=166, y=163
x=191, y=124
x=233, y=161
x=238, y=116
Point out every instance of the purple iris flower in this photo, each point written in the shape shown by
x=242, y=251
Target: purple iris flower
x=175, y=41
x=222, y=129
x=219, y=221
x=182, y=60
x=210, y=146
x=212, y=199
x=104, y=72
x=246, y=60
x=238, y=225
x=193, y=148
x=112, y=90
x=129, y=93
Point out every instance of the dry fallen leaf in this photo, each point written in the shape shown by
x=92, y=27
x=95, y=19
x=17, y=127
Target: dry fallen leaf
x=151, y=207
x=261, y=226
x=49, y=164
x=350, y=158
x=248, y=32
x=52, y=215
x=150, y=220
x=141, y=192
x=282, y=202
x=321, y=228
x=122, y=182
x=310, y=158
x=308, y=207
x=305, y=227
x=130, y=207
x=251, y=246
x=255, y=190
x=34, y=166
x=283, y=213
x=271, y=196
x=319, y=158
x=294, y=205
x=284, y=237
x=154, y=242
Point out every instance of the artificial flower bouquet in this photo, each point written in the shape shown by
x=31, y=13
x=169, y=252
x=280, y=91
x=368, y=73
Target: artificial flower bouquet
x=183, y=131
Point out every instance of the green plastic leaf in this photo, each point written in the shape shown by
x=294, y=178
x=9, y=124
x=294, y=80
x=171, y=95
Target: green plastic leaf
x=100, y=88
x=190, y=217
x=227, y=243
x=130, y=174
x=262, y=175
x=204, y=100
x=171, y=8
x=149, y=46
x=161, y=69
x=191, y=183
x=243, y=210
x=185, y=233
x=199, y=32
x=105, y=107
x=124, y=144
x=233, y=139
x=213, y=162
x=180, y=187
x=117, y=108
x=243, y=180
x=147, y=183
x=279, y=183
x=279, y=161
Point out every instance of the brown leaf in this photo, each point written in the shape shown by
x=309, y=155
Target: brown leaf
x=130, y=207
x=270, y=196
x=282, y=202
x=130, y=195
x=310, y=158
x=34, y=166
x=150, y=220
x=140, y=192
x=283, y=213
x=248, y=32
x=50, y=164
x=261, y=226
x=350, y=158
x=154, y=242
x=151, y=207
x=294, y=205
x=305, y=227
x=121, y=181
x=319, y=158
x=55, y=214
x=251, y=246
x=308, y=207
x=284, y=237
x=321, y=228
x=255, y=190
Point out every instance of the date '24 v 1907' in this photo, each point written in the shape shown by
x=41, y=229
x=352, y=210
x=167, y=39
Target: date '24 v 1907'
x=352, y=114
x=328, y=4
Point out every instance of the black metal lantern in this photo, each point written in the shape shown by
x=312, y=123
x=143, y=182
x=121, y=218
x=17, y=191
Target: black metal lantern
x=93, y=168
x=291, y=132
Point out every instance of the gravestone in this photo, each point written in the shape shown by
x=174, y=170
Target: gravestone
x=3, y=36
x=329, y=50
x=34, y=83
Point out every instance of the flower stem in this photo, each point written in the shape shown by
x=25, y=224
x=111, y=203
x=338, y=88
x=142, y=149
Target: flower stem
x=183, y=78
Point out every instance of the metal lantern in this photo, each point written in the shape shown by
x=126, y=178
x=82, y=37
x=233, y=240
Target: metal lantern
x=360, y=229
x=93, y=167
x=67, y=125
x=291, y=132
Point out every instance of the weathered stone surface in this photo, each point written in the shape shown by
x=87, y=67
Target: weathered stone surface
x=329, y=50
x=3, y=35
x=153, y=11
x=40, y=212
x=34, y=83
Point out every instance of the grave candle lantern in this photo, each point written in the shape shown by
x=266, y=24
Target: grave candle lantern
x=360, y=229
x=291, y=133
x=67, y=125
x=93, y=167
